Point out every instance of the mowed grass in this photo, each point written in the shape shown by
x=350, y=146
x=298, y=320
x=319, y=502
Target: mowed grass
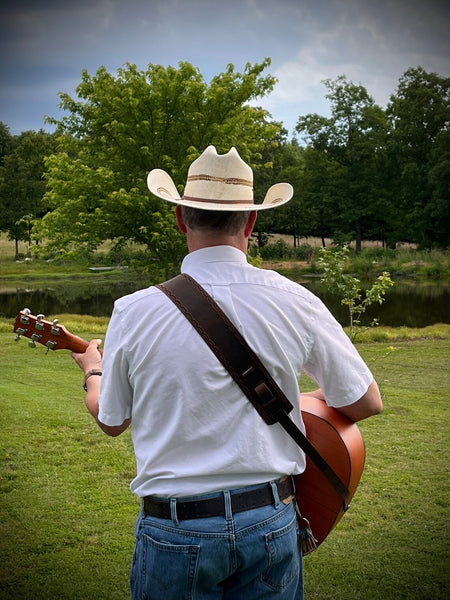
x=393, y=543
x=67, y=515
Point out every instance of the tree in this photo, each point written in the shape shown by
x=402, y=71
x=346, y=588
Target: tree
x=353, y=139
x=437, y=211
x=124, y=126
x=22, y=185
x=320, y=189
x=5, y=141
x=419, y=148
x=282, y=161
x=333, y=263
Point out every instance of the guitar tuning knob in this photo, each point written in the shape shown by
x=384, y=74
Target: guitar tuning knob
x=55, y=330
x=26, y=311
x=40, y=326
x=20, y=331
x=32, y=344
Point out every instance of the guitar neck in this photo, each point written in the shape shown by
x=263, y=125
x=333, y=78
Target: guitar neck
x=75, y=343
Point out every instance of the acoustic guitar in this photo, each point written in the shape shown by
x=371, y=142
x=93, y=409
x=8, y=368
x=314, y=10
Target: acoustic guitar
x=340, y=443
x=336, y=437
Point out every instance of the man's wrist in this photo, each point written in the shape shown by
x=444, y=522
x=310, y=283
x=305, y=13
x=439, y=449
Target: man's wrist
x=89, y=374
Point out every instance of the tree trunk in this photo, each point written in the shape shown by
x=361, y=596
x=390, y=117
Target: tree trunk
x=358, y=236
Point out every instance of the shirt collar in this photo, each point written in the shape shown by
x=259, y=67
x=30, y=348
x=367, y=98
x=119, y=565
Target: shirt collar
x=213, y=254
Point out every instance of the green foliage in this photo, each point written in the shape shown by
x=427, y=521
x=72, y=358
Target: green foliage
x=347, y=146
x=333, y=264
x=375, y=174
x=283, y=161
x=254, y=258
x=404, y=262
x=419, y=155
x=21, y=183
x=281, y=250
x=320, y=194
x=5, y=141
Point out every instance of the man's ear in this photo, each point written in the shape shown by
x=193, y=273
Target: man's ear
x=181, y=225
x=250, y=223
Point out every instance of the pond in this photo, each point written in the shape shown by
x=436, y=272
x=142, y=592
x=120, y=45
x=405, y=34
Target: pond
x=410, y=304
x=413, y=304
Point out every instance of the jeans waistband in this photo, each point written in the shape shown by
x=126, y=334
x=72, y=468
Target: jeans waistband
x=214, y=507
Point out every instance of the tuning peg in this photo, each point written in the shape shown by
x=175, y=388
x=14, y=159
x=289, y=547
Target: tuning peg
x=51, y=345
x=55, y=329
x=34, y=338
x=24, y=318
x=20, y=331
x=39, y=325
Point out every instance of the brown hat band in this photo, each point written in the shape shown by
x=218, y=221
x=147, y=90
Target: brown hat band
x=211, y=201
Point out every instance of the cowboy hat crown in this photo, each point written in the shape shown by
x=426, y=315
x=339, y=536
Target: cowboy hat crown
x=217, y=182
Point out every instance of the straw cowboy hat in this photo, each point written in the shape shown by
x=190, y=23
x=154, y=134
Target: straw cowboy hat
x=218, y=182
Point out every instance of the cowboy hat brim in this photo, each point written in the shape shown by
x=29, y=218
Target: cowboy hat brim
x=161, y=185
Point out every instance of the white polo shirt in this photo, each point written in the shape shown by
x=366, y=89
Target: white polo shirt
x=193, y=429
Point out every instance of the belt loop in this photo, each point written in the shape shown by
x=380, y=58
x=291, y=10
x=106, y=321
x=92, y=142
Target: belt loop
x=173, y=511
x=276, y=497
x=227, y=500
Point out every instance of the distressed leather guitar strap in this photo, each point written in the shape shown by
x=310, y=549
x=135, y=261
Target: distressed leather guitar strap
x=244, y=366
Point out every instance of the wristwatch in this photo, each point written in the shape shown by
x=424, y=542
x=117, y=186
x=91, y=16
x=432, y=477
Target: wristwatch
x=89, y=374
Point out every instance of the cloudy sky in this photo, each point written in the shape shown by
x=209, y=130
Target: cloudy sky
x=45, y=44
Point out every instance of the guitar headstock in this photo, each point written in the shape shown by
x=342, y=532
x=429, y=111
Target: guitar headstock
x=50, y=334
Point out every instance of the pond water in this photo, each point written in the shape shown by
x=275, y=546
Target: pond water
x=413, y=304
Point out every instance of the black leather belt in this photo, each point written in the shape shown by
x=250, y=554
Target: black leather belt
x=213, y=507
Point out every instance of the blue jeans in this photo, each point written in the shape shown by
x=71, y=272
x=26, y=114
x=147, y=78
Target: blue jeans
x=250, y=555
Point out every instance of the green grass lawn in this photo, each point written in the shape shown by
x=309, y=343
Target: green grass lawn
x=393, y=543
x=67, y=516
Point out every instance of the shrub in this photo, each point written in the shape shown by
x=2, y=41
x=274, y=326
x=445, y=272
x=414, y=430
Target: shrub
x=333, y=263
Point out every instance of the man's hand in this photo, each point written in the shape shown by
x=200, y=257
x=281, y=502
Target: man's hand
x=91, y=359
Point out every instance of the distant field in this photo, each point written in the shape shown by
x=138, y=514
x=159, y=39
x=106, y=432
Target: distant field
x=7, y=247
x=316, y=242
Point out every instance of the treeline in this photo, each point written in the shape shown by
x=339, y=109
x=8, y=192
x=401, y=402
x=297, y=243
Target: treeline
x=363, y=172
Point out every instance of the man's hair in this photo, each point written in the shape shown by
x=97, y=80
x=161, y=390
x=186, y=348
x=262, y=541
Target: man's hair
x=215, y=221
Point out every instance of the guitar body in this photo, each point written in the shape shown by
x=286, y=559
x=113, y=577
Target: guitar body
x=340, y=443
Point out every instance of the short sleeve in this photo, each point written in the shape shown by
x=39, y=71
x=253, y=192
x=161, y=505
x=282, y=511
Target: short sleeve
x=116, y=395
x=334, y=362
